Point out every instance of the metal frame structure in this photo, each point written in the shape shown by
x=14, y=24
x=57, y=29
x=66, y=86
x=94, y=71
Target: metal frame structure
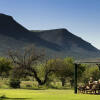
x=76, y=67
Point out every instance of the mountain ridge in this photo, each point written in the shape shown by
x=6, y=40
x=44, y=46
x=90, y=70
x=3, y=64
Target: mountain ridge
x=56, y=42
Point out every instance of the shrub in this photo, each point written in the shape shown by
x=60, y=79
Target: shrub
x=2, y=97
x=14, y=83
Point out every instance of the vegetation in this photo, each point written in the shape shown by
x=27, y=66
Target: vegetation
x=91, y=71
x=5, y=67
x=14, y=83
x=31, y=70
x=31, y=65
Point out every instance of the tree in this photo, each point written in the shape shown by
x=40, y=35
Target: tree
x=63, y=68
x=26, y=63
x=5, y=67
x=91, y=71
x=80, y=72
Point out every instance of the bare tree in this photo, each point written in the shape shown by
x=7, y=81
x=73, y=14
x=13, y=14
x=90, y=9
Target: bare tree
x=26, y=61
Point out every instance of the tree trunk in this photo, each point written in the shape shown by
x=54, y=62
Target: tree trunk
x=63, y=81
x=72, y=83
x=45, y=78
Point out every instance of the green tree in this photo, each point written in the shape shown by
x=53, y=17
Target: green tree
x=64, y=69
x=5, y=67
x=91, y=71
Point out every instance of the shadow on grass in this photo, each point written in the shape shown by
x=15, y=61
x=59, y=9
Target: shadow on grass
x=14, y=98
x=34, y=88
x=57, y=88
x=90, y=93
x=65, y=89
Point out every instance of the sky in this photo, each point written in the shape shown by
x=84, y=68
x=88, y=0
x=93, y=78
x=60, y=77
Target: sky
x=81, y=17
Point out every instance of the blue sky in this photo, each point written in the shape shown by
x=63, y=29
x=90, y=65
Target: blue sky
x=81, y=17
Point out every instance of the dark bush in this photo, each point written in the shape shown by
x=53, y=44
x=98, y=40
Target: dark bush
x=3, y=97
x=14, y=83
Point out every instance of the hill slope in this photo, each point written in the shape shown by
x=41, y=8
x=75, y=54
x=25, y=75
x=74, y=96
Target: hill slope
x=57, y=42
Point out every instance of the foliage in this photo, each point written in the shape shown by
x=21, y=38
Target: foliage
x=5, y=67
x=64, y=69
x=91, y=72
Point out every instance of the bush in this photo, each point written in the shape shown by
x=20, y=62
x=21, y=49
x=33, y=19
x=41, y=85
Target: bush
x=15, y=83
x=2, y=97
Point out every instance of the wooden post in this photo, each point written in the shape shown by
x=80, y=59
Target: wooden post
x=75, y=79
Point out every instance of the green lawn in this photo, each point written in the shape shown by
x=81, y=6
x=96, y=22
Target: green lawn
x=21, y=94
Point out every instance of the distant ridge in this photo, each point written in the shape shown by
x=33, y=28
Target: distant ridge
x=56, y=42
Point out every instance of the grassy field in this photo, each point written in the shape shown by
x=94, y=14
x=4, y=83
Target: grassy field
x=22, y=94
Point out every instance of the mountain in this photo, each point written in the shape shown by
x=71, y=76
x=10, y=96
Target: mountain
x=56, y=42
